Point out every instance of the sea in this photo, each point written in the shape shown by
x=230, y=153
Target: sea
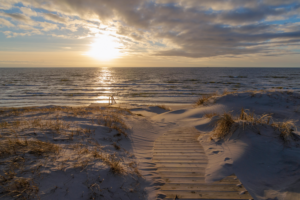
x=23, y=87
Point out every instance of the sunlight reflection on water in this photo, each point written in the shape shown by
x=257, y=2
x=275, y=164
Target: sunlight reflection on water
x=82, y=86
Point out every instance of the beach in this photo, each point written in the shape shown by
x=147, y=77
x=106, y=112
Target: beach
x=130, y=151
x=149, y=100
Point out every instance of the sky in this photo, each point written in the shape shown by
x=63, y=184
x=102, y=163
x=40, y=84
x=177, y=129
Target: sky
x=149, y=33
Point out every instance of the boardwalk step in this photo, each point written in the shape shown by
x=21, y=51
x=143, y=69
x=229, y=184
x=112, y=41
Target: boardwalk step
x=182, y=194
x=202, y=187
x=181, y=162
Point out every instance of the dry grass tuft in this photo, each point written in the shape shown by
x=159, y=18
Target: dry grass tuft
x=164, y=107
x=115, y=166
x=203, y=99
x=223, y=126
x=113, y=121
x=133, y=165
x=10, y=147
x=112, y=161
x=245, y=115
x=210, y=115
x=21, y=188
x=226, y=92
x=117, y=147
x=286, y=130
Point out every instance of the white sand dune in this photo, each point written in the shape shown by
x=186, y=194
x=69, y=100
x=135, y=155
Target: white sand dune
x=267, y=167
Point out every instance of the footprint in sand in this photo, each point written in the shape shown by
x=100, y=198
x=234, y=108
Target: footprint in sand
x=226, y=159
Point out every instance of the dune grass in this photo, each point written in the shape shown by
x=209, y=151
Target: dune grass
x=250, y=117
x=163, y=107
x=17, y=146
x=203, y=99
x=224, y=126
x=206, y=98
x=15, y=154
x=112, y=161
x=286, y=130
x=113, y=121
x=21, y=188
x=210, y=115
x=25, y=142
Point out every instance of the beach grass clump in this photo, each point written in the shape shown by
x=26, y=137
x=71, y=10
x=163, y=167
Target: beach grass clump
x=210, y=115
x=133, y=166
x=223, y=127
x=226, y=92
x=20, y=188
x=112, y=161
x=286, y=130
x=203, y=99
x=225, y=124
x=115, y=165
x=247, y=116
x=113, y=121
x=17, y=146
x=163, y=107
x=226, y=121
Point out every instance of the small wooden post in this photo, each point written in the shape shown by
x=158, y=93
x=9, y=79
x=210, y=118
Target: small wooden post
x=111, y=100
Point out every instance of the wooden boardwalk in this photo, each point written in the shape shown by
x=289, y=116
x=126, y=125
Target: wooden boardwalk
x=181, y=163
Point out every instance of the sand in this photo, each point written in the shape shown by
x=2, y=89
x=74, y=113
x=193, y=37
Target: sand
x=174, y=152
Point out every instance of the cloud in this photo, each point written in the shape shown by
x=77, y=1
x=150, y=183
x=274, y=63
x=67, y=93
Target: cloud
x=17, y=16
x=28, y=11
x=10, y=34
x=47, y=26
x=193, y=28
x=4, y=22
x=7, y=4
x=54, y=18
x=126, y=31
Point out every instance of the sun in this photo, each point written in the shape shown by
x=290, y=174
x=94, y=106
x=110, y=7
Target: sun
x=104, y=48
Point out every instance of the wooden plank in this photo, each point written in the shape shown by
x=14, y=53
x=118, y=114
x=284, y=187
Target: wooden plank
x=178, y=150
x=180, y=165
x=182, y=174
x=181, y=169
x=202, y=187
x=206, y=195
x=181, y=161
x=178, y=179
